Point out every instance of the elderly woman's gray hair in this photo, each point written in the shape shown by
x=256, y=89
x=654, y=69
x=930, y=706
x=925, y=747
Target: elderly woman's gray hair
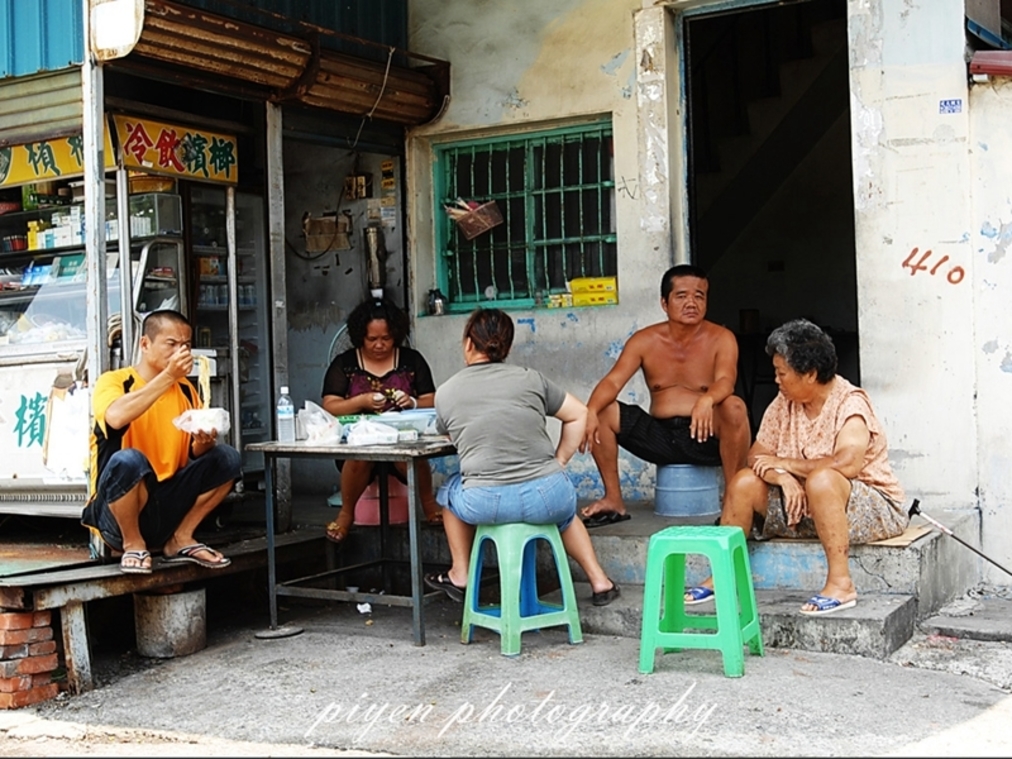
x=805, y=347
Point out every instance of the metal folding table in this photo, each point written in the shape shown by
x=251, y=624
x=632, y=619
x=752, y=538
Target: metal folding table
x=426, y=448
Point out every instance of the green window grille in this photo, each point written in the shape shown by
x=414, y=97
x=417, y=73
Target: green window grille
x=555, y=191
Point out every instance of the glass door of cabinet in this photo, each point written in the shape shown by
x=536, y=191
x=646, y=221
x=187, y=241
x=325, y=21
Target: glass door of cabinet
x=255, y=400
x=157, y=282
x=216, y=291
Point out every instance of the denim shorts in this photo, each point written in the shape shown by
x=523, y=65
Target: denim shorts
x=168, y=501
x=546, y=500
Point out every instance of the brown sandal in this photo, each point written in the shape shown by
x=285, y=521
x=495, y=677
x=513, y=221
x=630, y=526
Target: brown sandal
x=338, y=530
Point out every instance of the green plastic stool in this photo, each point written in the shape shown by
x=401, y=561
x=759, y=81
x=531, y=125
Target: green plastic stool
x=520, y=608
x=736, y=622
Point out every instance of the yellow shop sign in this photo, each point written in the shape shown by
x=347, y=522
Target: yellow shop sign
x=156, y=147
x=61, y=157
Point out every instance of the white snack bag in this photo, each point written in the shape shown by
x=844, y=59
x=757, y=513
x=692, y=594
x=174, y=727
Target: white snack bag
x=368, y=432
x=318, y=425
x=204, y=420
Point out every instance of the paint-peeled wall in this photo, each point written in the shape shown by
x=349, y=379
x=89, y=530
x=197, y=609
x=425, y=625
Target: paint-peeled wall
x=531, y=65
x=915, y=256
x=324, y=287
x=991, y=242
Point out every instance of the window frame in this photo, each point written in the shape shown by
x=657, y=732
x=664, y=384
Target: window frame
x=527, y=140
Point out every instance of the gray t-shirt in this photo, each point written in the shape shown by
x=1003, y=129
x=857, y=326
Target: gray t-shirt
x=495, y=416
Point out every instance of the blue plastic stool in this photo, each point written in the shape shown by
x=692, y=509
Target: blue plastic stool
x=520, y=609
x=736, y=622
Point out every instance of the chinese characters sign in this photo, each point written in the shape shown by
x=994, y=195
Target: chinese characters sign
x=161, y=148
x=40, y=161
x=31, y=420
x=44, y=425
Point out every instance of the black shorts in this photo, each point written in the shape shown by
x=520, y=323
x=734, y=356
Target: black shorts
x=168, y=501
x=663, y=441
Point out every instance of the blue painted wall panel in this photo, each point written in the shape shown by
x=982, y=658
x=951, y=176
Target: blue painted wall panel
x=46, y=35
x=39, y=35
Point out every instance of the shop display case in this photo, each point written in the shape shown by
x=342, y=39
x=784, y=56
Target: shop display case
x=43, y=295
x=44, y=403
x=179, y=254
x=214, y=294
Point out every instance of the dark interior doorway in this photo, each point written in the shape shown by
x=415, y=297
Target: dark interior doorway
x=771, y=202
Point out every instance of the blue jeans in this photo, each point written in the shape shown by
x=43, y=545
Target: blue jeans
x=168, y=501
x=546, y=500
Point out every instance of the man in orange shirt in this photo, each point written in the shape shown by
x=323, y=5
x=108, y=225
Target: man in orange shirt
x=151, y=483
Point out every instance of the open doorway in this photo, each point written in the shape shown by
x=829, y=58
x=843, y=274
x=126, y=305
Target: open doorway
x=771, y=202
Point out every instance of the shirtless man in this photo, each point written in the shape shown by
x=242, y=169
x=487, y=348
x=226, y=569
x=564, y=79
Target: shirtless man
x=690, y=366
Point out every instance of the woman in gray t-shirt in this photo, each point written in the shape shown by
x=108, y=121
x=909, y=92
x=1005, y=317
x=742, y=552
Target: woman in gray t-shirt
x=509, y=470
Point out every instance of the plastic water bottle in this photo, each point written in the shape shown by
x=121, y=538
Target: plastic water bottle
x=286, y=417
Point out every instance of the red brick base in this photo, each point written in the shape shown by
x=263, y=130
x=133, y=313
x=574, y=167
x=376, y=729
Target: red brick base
x=27, y=659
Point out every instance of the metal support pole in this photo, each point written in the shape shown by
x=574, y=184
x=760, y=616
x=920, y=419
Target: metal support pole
x=233, y=316
x=126, y=279
x=417, y=600
x=94, y=204
x=278, y=290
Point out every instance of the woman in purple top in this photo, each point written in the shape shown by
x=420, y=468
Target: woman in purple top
x=379, y=374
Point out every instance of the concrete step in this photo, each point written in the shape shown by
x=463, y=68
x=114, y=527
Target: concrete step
x=877, y=626
x=987, y=619
x=933, y=568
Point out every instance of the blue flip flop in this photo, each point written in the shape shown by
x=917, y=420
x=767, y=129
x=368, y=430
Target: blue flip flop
x=826, y=605
x=700, y=594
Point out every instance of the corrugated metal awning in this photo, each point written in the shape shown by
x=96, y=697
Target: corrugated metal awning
x=40, y=107
x=232, y=55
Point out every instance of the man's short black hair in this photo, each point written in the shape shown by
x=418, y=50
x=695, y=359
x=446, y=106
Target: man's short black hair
x=680, y=270
x=156, y=321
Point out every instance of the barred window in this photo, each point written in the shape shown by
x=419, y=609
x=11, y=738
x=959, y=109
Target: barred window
x=555, y=193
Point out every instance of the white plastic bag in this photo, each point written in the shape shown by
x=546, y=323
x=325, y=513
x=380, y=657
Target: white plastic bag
x=368, y=432
x=204, y=420
x=318, y=425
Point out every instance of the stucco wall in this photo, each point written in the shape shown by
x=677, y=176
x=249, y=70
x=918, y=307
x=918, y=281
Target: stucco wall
x=323, y=291
x=911, y=182
x=529, y=63
x=991, y=240
x=534, y=65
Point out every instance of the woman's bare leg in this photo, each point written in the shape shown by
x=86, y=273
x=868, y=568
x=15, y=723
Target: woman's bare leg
x=828, y=492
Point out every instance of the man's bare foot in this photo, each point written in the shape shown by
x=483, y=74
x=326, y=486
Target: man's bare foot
x=602, y=506
x=137, y=561
x=198, y=553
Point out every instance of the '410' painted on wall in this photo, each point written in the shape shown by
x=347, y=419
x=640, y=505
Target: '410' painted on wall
x=955, y=274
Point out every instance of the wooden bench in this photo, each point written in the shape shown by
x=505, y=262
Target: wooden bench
x=68, y=590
